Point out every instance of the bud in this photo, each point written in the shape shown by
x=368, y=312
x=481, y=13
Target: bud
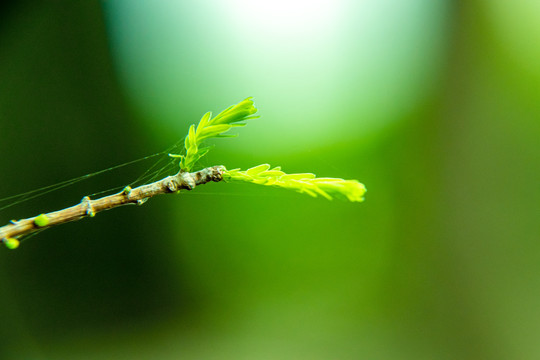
x=11, y=243
x=41, y=220
x=238, y=112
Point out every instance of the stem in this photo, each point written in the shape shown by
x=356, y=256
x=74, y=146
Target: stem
x=88, y=207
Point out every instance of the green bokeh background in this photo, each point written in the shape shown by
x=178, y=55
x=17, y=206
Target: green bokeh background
x=434, y=105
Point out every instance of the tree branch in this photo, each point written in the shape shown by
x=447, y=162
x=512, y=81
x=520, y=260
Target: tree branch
x=89, y=208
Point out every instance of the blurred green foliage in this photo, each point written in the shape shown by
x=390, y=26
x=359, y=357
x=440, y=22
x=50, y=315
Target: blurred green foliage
x=433, y=105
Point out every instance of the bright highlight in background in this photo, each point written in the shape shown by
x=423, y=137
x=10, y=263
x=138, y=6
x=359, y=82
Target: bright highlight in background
x=333, y=71
x=285, y=17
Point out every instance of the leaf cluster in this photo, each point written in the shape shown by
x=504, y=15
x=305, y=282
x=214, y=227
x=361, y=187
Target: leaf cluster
x=306, y=183
x=216, y=127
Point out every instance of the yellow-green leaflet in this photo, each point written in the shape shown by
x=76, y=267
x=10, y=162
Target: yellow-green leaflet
x=306, y=183
x=214, y=127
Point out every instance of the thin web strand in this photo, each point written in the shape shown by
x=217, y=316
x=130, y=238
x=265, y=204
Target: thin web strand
x=32, y=194
x=165, y=165
x=147, y=176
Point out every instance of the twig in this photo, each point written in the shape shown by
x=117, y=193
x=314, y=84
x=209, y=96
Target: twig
x=89, y=208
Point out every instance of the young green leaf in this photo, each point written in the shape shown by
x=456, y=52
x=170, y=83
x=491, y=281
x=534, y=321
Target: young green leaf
x=305, y=183
x=214, y=128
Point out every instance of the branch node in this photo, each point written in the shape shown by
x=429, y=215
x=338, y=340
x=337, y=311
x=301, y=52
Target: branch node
x=41, y=220
x=88, y=203
x=187, y=180
x=171, y=185
x=142, y=201
x=127, y=190
x=217, y=174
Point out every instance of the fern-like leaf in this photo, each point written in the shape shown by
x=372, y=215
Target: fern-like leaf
x=305, y=183
x=216, y=127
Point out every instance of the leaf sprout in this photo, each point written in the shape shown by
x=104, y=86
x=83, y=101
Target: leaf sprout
x=304, y=183
x=214, y=128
